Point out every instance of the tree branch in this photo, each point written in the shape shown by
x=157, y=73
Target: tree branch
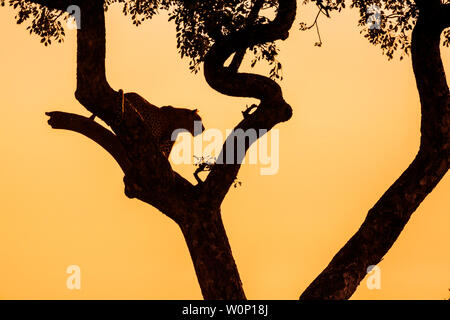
x=61, y=5
x=445, y=15
x=435, y=11
x=94, y=131
x=237, y=60
x=240, y=54
x=272, y=110
x=386, y=220
x=149, y=176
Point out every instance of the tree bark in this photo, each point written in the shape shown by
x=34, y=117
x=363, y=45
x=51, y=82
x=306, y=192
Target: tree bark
x=211, y=255
x=386, y=220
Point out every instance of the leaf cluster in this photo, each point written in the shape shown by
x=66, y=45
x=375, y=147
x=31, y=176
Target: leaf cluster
x=199, y=24
x=397, y=20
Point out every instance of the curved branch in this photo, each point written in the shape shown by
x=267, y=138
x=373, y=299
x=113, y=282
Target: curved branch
x=149, y=177
x=92, y=85
x=94, y=131
x=95, y=94
x=237, y=60
x=386, y=220
x=272, y=110
x=207, y=241
x=445, y=15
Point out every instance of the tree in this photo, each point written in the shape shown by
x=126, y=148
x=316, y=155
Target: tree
x=428, y=20
x=212, y=33
x=209, y=32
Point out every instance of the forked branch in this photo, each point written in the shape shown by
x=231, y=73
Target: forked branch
x=272, y=110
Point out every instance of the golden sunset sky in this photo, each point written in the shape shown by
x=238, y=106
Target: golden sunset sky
x=355, y=129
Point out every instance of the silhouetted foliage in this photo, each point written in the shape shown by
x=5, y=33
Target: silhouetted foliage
x=198, y=24
x=397, y=20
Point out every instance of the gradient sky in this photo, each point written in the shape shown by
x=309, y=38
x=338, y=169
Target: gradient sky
x=355, y=129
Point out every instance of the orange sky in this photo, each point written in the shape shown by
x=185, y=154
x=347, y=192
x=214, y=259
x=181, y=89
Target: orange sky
x=355, y=129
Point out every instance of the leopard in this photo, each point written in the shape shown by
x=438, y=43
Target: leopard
x=165, y=123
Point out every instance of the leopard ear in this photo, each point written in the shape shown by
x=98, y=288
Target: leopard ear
x=195, y=111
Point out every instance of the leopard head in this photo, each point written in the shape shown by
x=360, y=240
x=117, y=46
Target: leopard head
x=181, y=118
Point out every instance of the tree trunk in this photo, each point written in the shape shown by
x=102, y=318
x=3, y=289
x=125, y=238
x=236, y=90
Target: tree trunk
x=211, y=255
x=386, y=220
